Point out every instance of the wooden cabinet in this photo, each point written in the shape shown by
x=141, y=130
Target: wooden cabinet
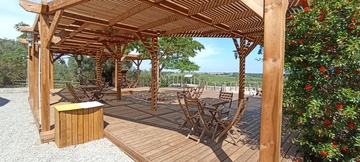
x=78, y=123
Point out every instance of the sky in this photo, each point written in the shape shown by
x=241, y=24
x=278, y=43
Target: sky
x=218, y=55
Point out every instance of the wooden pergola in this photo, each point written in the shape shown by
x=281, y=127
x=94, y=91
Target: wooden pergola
x=87, y=27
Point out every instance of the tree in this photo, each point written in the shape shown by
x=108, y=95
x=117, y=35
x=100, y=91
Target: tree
x=174, y=53
x=12, y=61
x=16, y=26
x=322, y=90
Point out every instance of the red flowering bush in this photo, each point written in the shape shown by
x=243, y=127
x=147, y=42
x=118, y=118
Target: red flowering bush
x=322, y=91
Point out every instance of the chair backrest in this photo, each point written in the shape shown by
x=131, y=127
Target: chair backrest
x=226, y=96
x=180, y=97
x=240, y=110
x=195, y=103
x=71, y=89
x=199, y=90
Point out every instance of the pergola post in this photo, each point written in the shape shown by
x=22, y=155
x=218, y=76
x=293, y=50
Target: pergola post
x=137, y=63
x=273, y=71
x=153, y=49
x=45, y=60
x=51, y=71
x=30, y=75
x=244, y=49
x=98, y=67
x=35, y=72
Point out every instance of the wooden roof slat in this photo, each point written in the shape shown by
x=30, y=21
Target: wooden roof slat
x=131, y=12
x=209, y=5
x=162, y=21
x=60, y=4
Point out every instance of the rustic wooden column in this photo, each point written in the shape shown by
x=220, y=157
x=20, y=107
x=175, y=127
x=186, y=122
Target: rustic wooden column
x=45, y=63
x=98, y=68
x=29, y=72
x=51, y=71
x=118, y=77
x=244, y=49
x=36, y=72
x=152, y=49
x=273, y=71
x=137, y=63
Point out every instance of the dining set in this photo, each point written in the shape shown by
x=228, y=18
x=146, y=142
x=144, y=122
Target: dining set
x=209, y=116
x=88, y=92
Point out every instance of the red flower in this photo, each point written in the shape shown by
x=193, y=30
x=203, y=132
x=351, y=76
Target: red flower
x=300, y=113
x=291, y=16
x=320, y=18
x=334, y=147
x=292, y=42
x=344, y=148
x=330, y=48
x=339, y=106
x=308, y=97
x=310, y=77
x=323, y=153
x=306, y=9
x=301, y=41
x=358, y=23
x=303, y=1
x=322, y=68
x=323, y=12
x=352, y=26
x=308, y=34
x=327, y=122
x=308, y=87
x=351, y=125
x=337, y=71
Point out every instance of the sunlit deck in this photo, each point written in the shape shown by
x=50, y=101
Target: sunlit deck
x=147, y=135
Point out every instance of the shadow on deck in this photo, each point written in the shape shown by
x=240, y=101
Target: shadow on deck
x=147, y=135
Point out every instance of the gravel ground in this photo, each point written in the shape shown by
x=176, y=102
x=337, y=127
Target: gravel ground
x=19, y=139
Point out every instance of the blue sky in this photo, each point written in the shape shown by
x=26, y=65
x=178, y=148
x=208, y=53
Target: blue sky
x=217, y=56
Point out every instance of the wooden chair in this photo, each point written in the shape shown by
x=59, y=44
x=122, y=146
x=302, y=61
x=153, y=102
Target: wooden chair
x=198, y=91
x=226, y=96
x=100, y=92
x=74, y=94
x=229, y=123
x=203, y=120
x=188, y=113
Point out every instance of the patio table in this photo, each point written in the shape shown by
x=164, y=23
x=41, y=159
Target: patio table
x=215, y=103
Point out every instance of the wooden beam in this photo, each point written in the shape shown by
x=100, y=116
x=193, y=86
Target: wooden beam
x=57, y=57
x=60, y=4
x=273, y=77
x=96, y=21
x=134, y=10
x=30, y=6
x=256, y=6
x=53, y=27
x=45, y=88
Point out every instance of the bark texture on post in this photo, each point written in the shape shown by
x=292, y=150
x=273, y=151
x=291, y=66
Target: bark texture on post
x=273, y=71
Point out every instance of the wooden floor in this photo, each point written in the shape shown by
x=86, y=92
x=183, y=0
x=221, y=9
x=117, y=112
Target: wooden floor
x=147, y=135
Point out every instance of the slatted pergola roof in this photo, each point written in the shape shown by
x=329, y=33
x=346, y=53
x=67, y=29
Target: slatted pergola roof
x=84, y=26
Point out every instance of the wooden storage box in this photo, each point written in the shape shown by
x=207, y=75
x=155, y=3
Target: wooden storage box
x=78, y=123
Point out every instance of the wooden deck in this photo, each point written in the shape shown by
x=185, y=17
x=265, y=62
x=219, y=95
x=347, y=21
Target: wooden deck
x=147, y=135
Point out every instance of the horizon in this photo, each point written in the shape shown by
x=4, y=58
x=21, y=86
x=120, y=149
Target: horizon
x=218, y=55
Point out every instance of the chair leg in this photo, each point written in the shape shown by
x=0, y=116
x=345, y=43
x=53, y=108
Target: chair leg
x=202, y=133
x=182, y=124
x=213, y=136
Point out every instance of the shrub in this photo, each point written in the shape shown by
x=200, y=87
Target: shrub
x=322, y=79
